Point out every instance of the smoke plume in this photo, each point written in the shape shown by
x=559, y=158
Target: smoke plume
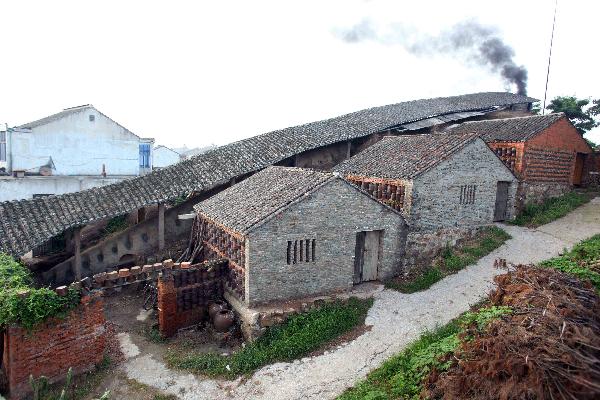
x=470, y=40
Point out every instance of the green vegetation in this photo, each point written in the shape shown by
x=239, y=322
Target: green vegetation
x=583, y=261
x=25, y=305
x=453, y=260
x=295, y=338
x=534, y=215
x=71, y=390
x=401, y=377
x=116, y=224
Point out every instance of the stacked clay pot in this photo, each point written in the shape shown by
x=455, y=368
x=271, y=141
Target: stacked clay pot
x=222, y=318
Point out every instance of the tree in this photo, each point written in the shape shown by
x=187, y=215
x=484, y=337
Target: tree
x=579, y=112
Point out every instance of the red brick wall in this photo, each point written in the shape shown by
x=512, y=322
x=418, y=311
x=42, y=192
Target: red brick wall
x=511, y=154
x=78, y=341
x=183, y=295
x=561, y=135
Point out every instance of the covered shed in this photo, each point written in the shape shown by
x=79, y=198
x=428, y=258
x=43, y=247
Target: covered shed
x=546, y=152
x=292, y=233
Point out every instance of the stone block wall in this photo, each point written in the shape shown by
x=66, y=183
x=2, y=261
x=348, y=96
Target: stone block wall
x=184, y=295
x=331, y=216
x=423, y=247
x=438, y=200
x=50, y=349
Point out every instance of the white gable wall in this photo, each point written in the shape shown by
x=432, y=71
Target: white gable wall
x=77, y=146
x=163, y=157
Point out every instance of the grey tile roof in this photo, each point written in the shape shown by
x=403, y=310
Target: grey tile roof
x=27, y=223
x=404, y=157
x=249, y=202
x=519, y=129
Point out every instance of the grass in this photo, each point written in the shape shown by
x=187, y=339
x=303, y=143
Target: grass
x=298, y=336
x=534, y=215
x=401, y=377
x=583, y=261
x=81, y=386
x=453, y=260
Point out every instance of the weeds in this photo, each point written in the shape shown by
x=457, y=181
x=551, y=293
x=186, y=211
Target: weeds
x=453, y=260
x=582, y=261
x=295, y=338
x=401, y=377
x=534, y=215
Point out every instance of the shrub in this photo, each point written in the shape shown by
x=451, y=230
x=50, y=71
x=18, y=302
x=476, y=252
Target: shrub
x=25, y=305
x=298, y=336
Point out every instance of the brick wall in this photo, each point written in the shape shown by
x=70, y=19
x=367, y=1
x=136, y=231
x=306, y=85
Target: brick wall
x=77, y=341
x=183, y=295
x=511, y=154
x=388, y=191
x=548, y=165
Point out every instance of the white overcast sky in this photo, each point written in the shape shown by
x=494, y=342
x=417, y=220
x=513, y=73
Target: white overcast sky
x=196, y=73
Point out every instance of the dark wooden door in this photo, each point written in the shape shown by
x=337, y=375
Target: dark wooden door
x=501, y=201
x=366, y=256
x=578, y=173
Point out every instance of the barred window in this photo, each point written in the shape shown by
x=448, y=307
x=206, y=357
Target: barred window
x=301, y=251
x=467, y=194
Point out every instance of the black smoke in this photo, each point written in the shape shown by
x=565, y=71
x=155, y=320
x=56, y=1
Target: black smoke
x=470, y=40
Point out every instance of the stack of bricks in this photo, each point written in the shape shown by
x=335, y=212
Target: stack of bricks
x=184, y=295
x=389, y=192
x=548, y=165
x=218, y=244
x=78, y=341
x=108, y=281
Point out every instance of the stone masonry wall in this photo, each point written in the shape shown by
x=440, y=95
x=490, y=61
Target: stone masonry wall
x=331, y=216
x=183, y=295
x=438, y=203
x=77, y=341
x=422, y=247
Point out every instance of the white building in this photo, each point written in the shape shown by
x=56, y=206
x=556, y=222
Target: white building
x=75, y=149
x=162, y=156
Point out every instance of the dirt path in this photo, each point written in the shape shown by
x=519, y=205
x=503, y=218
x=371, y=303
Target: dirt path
x=396, y=320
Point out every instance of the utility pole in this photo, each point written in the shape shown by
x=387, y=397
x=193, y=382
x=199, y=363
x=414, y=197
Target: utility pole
x=549, y=58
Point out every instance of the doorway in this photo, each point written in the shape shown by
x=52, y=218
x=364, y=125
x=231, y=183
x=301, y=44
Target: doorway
x=366, y=256
x=578, y=172
x=501, y=201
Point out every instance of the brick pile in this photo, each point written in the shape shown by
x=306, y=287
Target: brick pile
x=184, y=295
x=388, y=191
x=50, y=349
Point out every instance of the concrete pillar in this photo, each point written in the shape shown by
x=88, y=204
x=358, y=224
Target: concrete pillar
x=161, y=226
x=77, y=250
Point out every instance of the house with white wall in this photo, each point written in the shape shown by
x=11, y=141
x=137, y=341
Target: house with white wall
x=75, y=149
x=164, y=156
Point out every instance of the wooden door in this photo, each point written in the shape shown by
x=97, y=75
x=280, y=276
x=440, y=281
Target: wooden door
x=501, y=201
x=366, y=256
x=578, y=173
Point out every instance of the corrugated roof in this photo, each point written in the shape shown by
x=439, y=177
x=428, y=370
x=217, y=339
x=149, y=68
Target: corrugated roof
x=519, y=129
x=249, y=202
x=25, y=224
x=404, y=157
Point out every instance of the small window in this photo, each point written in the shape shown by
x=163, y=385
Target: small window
x=144, y=155
x=467, y=194
x=300, y=251
x=92, y=117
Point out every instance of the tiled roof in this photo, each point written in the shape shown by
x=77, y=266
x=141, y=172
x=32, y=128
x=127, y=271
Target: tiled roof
x=404, y=157
x=519, y=129
x=25, y=224
x=249, y=202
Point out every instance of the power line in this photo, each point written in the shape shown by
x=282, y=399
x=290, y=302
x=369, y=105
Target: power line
x=549, y=57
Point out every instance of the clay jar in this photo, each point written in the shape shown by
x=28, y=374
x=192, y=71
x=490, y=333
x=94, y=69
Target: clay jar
x=215, y=307
x=223, y=320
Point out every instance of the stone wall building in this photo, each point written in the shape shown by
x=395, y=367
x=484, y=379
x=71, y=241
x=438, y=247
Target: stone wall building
x=292, y=233
x=546, y=153
x=447, y=186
